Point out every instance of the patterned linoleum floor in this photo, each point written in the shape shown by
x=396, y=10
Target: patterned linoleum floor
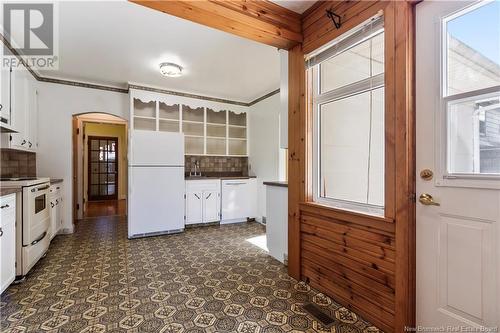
x=208, y=279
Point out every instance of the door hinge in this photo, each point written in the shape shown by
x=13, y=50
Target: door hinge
x=77, y=206
x=10, y=137
x=77, y=131
x=413, y=197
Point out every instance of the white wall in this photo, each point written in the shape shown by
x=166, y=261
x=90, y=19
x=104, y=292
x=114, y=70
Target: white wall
x=57, y=104
x=264, y=150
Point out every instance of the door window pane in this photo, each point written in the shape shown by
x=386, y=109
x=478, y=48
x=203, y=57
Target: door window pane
x=474, y=135
x=473, y=48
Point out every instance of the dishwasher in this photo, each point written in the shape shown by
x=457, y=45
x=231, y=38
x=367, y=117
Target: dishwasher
x=238, y=200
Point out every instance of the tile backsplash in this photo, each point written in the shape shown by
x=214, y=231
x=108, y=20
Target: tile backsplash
x=218, y=165
x=17, y=163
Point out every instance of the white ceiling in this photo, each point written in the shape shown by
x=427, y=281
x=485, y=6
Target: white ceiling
x=116, y=42
x=298, y=6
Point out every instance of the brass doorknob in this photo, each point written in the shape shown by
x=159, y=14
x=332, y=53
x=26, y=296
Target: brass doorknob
x=428, y=200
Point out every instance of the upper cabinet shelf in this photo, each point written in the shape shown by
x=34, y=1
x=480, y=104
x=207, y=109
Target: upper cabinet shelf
x=209, y=129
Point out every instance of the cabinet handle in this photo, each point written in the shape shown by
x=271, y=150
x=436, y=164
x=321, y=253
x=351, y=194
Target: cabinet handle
x=1, y=232
x=196, y=195
x=57, y=202
x=4, y=206
x=23, y=143
x=30, y=144
x=52, y=204
x=235, y=184
x=1, y=106
x=209, y=195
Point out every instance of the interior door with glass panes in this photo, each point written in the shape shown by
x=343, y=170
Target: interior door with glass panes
x=103, y=168
x=458, y=165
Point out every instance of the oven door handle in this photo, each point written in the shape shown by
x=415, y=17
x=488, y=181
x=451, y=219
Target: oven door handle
x=39, y=238
x=40, y=188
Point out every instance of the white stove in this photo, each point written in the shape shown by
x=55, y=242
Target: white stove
x=33, y=226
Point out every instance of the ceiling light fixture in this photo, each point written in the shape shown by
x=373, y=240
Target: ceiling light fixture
x=170, y=69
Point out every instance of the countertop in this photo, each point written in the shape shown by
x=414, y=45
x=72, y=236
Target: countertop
x=7, y=191
x=56, y=180
x=277, y=183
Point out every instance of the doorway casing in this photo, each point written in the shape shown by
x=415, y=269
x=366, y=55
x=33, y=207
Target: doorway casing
x=78, y=169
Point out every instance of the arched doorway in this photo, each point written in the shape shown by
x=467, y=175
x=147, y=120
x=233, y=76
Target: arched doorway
x=100, y=175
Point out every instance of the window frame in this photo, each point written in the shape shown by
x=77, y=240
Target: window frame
x=319, y=99
x=442, y=129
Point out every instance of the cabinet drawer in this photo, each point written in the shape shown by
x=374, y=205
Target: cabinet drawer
x=203, y=185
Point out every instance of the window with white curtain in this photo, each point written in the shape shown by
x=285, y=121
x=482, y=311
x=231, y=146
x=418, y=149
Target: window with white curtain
x=348, y=108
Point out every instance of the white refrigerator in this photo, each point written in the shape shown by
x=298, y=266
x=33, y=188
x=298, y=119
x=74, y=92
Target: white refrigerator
x=156, y=183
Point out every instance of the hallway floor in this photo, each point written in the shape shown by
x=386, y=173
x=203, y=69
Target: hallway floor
x=106, y=208
x=208, y=279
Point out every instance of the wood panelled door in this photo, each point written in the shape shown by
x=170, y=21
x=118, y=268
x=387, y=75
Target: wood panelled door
x=103, y=168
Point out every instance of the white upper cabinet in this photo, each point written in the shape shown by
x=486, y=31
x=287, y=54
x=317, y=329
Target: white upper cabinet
x=23, y=109
x=210, y=128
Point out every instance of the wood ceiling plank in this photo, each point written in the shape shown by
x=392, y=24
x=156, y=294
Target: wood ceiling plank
x=266, y=11
x=235, y=18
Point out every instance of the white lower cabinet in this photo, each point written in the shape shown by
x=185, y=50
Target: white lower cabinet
x=7, y=240
x=194, y=207
x=56, y=208
x=202, y=201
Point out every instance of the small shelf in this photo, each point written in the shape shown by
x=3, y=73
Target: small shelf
x=193, y=136
x=216, y=131
x=239, y=119
x=237, y=147
x=142, y=109
x=237, y=132
x=194, y=145
x=216, y=145
x=237, y=126
x=144, y=117
x=216, y=117
x=192, y=122
x=169, y=125
x=170, y=112
x=215, y=124
x=193, y=128
x=190, y=114
x=147, y=124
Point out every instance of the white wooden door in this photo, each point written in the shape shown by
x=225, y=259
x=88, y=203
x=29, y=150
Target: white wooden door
x=211, y=206
x=19, y=107
x=458, y=214
x=194, y=207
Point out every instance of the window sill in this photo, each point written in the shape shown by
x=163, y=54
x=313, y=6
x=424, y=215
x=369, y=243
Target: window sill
x=377, y=222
